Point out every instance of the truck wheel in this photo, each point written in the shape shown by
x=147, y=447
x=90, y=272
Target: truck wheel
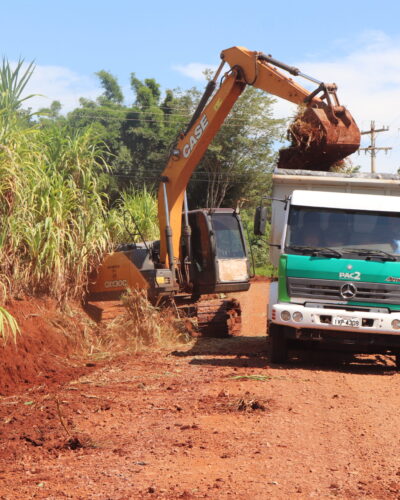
x=278, y=348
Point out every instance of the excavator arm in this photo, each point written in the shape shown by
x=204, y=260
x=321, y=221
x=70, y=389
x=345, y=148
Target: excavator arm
x=325, y=134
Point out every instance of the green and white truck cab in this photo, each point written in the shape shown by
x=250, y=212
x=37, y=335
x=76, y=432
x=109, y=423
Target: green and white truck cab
x=335, y=240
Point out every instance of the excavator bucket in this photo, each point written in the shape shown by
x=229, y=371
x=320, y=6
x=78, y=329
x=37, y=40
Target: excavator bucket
x=321, y=137
x=323, y=133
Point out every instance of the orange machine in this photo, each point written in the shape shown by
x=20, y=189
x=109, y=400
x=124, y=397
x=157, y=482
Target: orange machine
x=211, y=256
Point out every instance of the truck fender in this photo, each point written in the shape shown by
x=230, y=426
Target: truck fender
x=273, y=298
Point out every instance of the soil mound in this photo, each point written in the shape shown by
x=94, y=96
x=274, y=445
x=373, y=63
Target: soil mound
x=44, y=350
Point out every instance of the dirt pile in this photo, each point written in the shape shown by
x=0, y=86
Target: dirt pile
x=46, y=347
x=53, y=346
x=307, y=144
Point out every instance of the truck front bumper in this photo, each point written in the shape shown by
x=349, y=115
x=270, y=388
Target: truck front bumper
x=335, y=319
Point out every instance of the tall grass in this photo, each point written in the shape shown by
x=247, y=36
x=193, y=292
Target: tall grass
x=134, y=213
x=9, y=328
x=53, y=226
x=12, y=85
x=52, y=215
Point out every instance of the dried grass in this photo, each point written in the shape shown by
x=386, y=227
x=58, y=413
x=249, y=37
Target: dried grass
x=9, y=328
x=144, y=325
x=303, y=132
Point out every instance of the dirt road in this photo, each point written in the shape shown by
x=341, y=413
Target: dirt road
x=213, y=420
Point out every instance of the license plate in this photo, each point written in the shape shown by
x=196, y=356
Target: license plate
x=344, y=321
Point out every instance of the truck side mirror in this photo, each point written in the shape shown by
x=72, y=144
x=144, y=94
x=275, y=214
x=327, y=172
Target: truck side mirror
x=260, y=220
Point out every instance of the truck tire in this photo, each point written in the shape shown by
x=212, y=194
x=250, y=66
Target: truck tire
x=278, y=345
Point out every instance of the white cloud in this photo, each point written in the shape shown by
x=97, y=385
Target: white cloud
x=55, y=83
x=195, y=70
x=368, y=79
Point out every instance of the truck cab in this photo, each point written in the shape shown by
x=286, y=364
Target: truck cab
x=337, y=248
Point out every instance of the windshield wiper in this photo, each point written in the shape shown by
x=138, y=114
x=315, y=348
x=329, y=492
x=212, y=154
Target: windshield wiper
x=326, y=251
x=371, y=252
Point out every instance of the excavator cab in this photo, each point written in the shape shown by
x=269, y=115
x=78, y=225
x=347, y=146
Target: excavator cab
x=219, y=261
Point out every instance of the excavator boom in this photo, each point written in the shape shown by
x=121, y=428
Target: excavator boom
x=323, y=133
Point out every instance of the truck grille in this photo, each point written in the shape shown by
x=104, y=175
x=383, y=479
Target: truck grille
x=331, y=290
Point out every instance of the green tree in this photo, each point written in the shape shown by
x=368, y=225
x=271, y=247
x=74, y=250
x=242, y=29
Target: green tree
x=138, y=137
x=238, y=163
x=105, y=117
x=112, y=90
x=150, y=128
x=51, y=115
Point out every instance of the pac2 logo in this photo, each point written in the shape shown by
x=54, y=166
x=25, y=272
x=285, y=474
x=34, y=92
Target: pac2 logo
x=350, y=276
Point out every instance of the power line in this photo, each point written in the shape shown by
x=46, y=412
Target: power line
x=157, y=178
x=156, y=172
x=146, y=120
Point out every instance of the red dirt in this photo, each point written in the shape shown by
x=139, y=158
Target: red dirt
x=43, y=351
x=254, y=307
x=210, y=420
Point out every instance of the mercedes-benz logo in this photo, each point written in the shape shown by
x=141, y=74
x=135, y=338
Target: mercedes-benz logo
x=348, y=291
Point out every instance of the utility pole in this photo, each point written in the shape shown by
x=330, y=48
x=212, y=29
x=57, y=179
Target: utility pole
x=372, y=149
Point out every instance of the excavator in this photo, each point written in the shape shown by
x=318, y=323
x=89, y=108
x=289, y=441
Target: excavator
x=203, y=251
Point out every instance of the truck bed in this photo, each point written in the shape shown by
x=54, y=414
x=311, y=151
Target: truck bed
x=285, y=181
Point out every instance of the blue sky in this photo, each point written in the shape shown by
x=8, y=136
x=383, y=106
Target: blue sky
x=355, y=44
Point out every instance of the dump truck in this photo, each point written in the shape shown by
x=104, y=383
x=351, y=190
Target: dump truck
x=335, y=240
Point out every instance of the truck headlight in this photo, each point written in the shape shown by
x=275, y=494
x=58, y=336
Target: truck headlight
x=285, y=315
x=396, y=324
x=297, y=316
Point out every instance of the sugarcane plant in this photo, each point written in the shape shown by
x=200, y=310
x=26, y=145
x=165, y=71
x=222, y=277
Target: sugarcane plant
x=53, y=226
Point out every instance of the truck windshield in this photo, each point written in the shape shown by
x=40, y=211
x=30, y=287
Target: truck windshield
x=228, y=236
x=366, y=233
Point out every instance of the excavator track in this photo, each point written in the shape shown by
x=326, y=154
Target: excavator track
x=206, y=317
x=218, y=317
